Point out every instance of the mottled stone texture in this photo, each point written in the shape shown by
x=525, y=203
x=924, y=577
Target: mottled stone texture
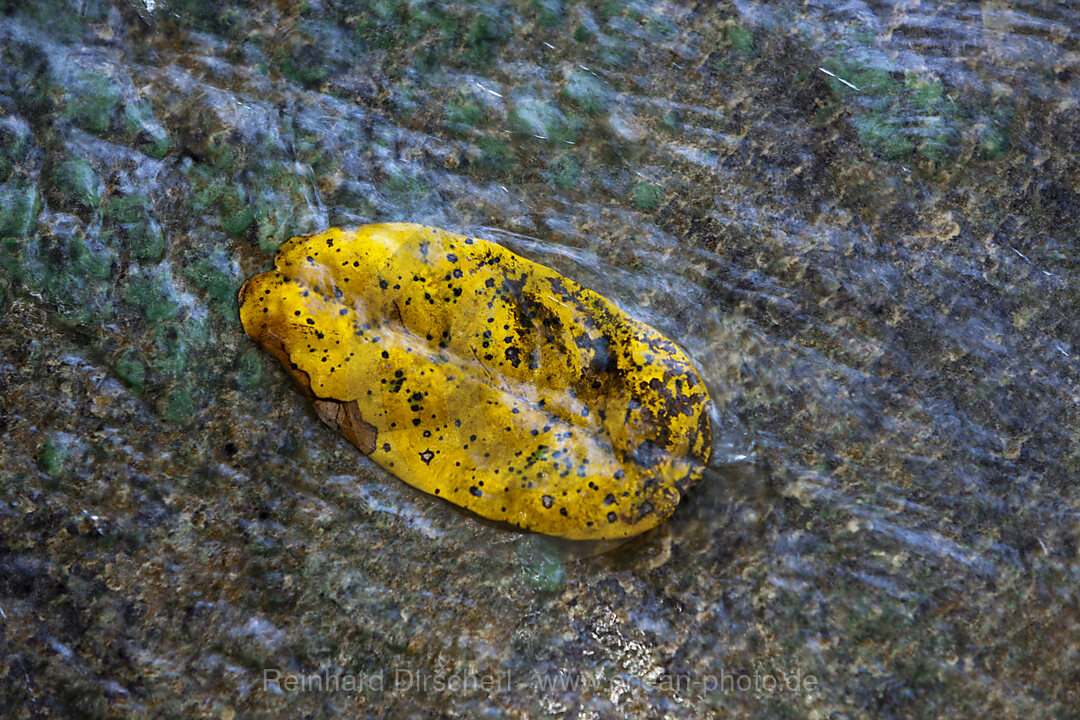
x=860, y=220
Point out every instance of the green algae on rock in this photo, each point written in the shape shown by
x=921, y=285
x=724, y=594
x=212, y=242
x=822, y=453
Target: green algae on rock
x=484, y=378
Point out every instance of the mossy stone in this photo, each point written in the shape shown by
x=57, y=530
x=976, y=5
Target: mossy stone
x=148, y=134
x=78, y=183
x=544, y=121
x=142, y=235
x=215, y=276
x=923, y=94
x=741, y=39
x=940, y=140
x=52, y=457
x=647, y=196
x=495, y=155
x=16, y=139
x=219, y=19
x=20, y=206
x=485, y=34
x=92, y=101
x=304, y=65
x=273, y=225
x=177, y=347
x=549, y=13
x=219, y=152
x=69, y=271
x=565, y=171
x=151, y=296
x=236, y=214
x=131, y=371
x=587, y=91
x=238, y=221
x=882, y=133
x=154, y=141
x=146, y=241
x=405, y=189
x=91, y=262
x=178, y=406
x=127, y=208
x=463, y=116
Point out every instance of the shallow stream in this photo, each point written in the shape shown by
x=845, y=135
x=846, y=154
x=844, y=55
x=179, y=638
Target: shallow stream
x=860, y=219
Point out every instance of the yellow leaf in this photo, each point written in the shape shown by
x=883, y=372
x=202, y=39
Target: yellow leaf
x=484, y=378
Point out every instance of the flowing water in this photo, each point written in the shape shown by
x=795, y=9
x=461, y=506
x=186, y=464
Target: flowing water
x=860, y=219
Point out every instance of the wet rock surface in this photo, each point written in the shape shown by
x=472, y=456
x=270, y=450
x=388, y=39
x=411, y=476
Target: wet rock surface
x=860, y=220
